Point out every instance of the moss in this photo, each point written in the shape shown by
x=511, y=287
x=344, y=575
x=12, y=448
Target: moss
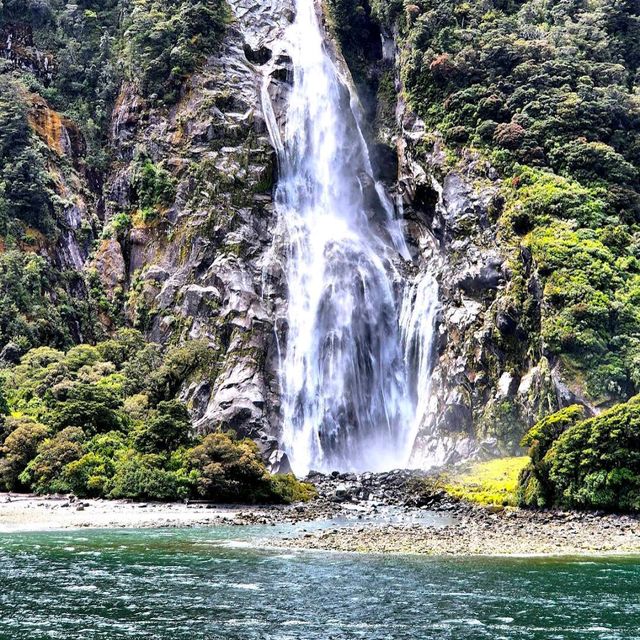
x=387, y=99
x=500, y=420
x=487, y=483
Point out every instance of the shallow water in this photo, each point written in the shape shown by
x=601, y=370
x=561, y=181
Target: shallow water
x=213, y=583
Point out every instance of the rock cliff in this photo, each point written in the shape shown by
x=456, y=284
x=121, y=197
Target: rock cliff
x=158, y=214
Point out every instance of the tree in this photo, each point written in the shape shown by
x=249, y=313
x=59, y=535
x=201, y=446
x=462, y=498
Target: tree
x=18, y=449
x=88, y=406
x=228, y=470
x=166, y=431
x=44, y=473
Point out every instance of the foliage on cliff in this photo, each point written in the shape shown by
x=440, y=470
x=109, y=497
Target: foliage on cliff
x=105, y=420
x=548, y=93
x=584, y=463
x=165, y=42
x=62, y=66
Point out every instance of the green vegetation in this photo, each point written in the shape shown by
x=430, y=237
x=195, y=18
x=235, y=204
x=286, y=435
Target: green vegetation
x=488, y=483
x=166, y=41
x=547, y=93
x=25, y=194
x=583, y=463
x=37, y=305
x=104, y=420
x=154, y=189
x=57, y=95
x=64, y=70
x=82, y=38
x=359, y=38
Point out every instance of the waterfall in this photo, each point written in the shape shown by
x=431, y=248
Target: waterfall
x=417, y=323
x=349, y=400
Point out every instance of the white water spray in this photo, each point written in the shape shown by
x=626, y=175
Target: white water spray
x=348, y=398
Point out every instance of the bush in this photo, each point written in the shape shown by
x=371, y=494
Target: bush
x=535, y=489
x=44, y=473
x=19, y=447
x=593, y=463
x=88, y=476
x=229, y=470
x=122, y=347
x=144, y=477
x=88, y=429
x=286, y=488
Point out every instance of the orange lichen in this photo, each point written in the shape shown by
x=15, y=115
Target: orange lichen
x=34, y=241
x=59, y=133
x=47, y=124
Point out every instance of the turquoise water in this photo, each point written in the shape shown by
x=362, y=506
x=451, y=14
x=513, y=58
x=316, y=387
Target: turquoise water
x=209, y=584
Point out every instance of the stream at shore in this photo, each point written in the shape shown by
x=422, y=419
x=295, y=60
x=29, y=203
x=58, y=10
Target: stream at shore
x=217, y=583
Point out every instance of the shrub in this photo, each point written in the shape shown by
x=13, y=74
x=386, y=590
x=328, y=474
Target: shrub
x=88, y=476
x=44, y=473
x=144, y=477
x=163, y=381
x=544, y=433
x=229, y=470
x=509, y=135
x=87, y=428
x=166, y=41
x=287, y=488
x=19, y=447
x=593, y=463
x=535, y=489
x=122, y=347
x=154, y=186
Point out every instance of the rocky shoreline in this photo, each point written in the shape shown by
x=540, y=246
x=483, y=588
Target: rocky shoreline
x=395, y=512
x=469, y=529
x=512, y=532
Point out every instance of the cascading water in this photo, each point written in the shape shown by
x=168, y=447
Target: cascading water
x=347, y=402
x=417, y=324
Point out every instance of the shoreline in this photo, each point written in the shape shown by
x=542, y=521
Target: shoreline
x=479, y=533
x=28, y=513
x=448, y=530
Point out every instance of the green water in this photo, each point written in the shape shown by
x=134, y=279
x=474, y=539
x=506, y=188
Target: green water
x=213, y=584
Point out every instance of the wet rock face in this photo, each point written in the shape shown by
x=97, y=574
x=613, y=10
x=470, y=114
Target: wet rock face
x=208, y=269
x=490, y=382
x=17, y=47
x=205, y=269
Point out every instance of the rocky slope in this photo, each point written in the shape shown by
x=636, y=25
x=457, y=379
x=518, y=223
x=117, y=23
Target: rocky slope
x=182, y=214
x=493, y=109
x=488, y=383
x=202, y=271
x=159, y=214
